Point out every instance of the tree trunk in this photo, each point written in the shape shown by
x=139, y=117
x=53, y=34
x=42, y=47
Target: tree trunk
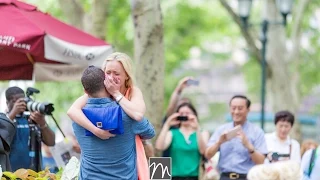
x=282, y=82
x=149, y=56
x=73, y=11
x=99, y=15
x=94, y=22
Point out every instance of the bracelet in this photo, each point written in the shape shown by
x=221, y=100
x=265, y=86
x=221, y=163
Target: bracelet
x=146, y=142
x=44, y=126
x=118, y=98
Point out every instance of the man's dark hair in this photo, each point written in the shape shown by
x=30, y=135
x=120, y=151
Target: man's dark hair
x=284, y=116
x=248, y=102
x=92, y=80
x=11, y=91
x=189, y=105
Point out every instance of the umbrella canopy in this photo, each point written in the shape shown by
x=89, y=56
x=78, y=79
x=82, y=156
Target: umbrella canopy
x=34, y=45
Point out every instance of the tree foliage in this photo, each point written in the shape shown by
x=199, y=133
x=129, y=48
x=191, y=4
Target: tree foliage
x=187, y=24
x=309, y=60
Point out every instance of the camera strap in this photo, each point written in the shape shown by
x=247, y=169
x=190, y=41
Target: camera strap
x=290, y=149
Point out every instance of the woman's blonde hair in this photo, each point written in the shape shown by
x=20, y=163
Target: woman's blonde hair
x=126, y=62
x=306, y=144
x=263, y=172
x=282, y=170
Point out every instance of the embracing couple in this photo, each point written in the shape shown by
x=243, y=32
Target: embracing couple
x=105, y=155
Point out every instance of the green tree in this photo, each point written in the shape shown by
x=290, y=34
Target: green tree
x=284, y=65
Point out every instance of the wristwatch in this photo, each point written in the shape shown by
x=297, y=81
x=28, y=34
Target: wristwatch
x=118, y=98
x=251, y=151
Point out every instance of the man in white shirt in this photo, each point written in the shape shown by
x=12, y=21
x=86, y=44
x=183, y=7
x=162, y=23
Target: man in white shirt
x=280, y=145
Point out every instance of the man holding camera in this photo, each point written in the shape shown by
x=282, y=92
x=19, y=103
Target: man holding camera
x=31, y=130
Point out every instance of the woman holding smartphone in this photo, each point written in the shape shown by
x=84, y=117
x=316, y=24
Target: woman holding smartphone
x=186, y=143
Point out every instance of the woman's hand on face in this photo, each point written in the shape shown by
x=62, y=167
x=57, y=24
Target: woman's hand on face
x=193, y=120
x=112, y=85
x=172, y=120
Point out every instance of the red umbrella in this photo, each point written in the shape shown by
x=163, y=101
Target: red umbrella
x=33, y=44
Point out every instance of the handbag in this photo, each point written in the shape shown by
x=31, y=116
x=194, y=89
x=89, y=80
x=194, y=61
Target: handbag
x=210, y=171
x=106, y=118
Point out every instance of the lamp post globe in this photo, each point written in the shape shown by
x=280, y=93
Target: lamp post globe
x=285, y=7
x=244, y=8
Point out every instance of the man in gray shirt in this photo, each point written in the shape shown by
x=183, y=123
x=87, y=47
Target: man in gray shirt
x=240, y=153
x=115, y=158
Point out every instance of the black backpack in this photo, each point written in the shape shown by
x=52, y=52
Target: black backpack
x=7, y=132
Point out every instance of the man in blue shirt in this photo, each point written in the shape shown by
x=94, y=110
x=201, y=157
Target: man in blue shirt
x=240, y=153
x=115, y=158
x=20, y=153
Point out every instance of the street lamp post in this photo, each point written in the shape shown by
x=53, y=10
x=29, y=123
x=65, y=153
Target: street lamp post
x=244, y=6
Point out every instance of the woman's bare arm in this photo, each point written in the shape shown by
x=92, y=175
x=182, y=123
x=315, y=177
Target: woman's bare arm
x=164, y=139
x=76, y=114
x=135, y=108
x=174, y=98
x=202, y=138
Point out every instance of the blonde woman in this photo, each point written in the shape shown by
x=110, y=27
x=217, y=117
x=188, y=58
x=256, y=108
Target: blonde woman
x=119, y=82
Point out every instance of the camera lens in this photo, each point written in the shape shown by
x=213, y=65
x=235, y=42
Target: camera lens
x=275, y=156
x=43, y=108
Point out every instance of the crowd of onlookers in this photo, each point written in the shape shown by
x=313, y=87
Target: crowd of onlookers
x=236, y=150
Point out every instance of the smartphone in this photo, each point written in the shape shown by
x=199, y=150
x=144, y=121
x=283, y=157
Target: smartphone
x=182, y=118
x=192, y=82
x=233, y=132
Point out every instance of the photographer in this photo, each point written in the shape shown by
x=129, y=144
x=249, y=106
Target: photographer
x=280, y=145
x=175, y=101
x=20, y=157
x=186, y=143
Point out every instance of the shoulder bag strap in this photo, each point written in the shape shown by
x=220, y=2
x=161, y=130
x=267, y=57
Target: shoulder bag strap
x=312, y=159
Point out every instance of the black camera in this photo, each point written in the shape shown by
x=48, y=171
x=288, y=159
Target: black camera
x=182, y=118
x=275, y=156
x=43, y=108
